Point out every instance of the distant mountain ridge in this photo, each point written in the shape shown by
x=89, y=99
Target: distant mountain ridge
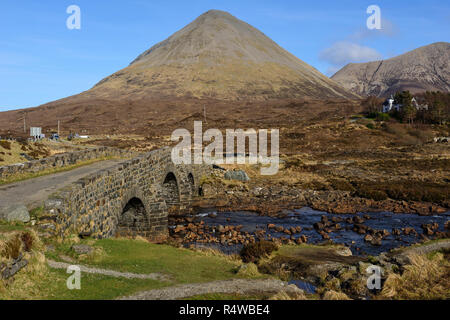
x=422, y=69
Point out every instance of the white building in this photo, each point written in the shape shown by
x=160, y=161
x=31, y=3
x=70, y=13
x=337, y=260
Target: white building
x=36, y=133
x=389, y=105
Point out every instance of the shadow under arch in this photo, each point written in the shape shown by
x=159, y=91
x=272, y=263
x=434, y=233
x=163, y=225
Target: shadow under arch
x=192, y=189
x=171, y=191
x=133, y=220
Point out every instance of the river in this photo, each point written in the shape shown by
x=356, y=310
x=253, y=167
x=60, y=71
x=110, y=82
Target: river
x=306, y=217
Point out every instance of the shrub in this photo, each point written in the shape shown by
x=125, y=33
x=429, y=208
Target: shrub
x=11, y=248
x=5, y=144
x=383, y=116
x=343, y=185
x=424, y=278
x=334, y=295
x=422, y=135
x=379, y=116
x=34, y=154
x=316, y=185
x=27, y=240
x=396, y=129
x=371, y=193
x=293, y=163
x=248, y=270
x=370, y=125
x=404, y=190
x=255, y=251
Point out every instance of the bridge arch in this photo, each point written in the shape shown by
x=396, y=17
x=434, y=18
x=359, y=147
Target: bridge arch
x=171, y=190
x=134, y=219
x=192, y=185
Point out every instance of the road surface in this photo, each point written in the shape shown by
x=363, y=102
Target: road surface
x=33, y=192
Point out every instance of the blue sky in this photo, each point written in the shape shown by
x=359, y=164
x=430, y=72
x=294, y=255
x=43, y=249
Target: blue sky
x=42, y=60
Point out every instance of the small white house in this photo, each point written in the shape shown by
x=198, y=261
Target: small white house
x=389, y=105
x=36, y=133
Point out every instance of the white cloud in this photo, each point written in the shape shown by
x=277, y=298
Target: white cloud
x=343, y=52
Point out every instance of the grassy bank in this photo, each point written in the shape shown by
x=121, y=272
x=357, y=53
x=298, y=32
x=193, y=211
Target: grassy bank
x=39, y=281
x=139, y=256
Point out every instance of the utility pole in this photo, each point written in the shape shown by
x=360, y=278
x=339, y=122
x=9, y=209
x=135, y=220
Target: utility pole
x=204, y=112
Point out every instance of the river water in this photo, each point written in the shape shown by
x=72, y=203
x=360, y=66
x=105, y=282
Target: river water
x=306, y=217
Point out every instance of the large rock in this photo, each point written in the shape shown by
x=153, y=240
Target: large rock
x=16, y=212
x=7, y=271
x=82, y=248
x=344, y=251
x=239, y=175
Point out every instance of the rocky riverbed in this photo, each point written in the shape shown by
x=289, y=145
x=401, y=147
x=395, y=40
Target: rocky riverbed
x=364, y=233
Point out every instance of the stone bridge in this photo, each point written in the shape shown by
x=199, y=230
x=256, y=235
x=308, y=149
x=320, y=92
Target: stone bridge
x=131, y=198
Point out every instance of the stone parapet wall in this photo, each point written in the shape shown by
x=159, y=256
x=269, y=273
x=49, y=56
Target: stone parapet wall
x=60, y=160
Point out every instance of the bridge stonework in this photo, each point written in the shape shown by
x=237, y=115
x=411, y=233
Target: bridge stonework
x=131, y=198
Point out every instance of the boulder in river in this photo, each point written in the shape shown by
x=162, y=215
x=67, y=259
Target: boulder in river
x=376, y=241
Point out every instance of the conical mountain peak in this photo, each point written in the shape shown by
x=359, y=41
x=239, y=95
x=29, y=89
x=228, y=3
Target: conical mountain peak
x=217, y=55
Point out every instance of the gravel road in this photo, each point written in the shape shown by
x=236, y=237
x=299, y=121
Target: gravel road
x=239, y=286
x=106, y=272
x=33, y=192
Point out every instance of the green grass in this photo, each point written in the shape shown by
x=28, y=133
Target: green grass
x=7, y=226
x=35, y=213
x=125, y=255
x=95, y=287
x=51, y=285
x=182, y=265
x=29, y=175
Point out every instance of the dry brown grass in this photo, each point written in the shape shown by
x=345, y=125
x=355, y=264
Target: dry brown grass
x=24, y=284
x=283, y=295
x=425, y=278
x=334, y=295
x=248, y=270
x=10, y=247
x=233, y=258
x=5, y=144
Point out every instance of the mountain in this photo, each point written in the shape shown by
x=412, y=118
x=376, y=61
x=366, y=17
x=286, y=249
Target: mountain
x=219, y=56
x=422, y=69
x=215, y=59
